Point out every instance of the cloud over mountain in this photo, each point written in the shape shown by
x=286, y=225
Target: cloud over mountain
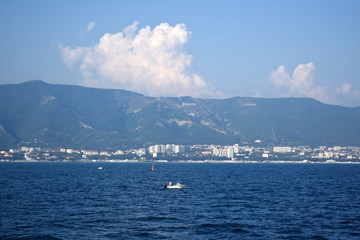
x=149, y=61
x=300, y=84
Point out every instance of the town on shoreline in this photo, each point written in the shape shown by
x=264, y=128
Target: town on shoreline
x=192, y=153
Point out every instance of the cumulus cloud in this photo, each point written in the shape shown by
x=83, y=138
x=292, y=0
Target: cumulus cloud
x=149, y=61
x=345, y=88
x=300, y=84
x=302, y=79
x=346, y=92
x=90, y=26
x=72, y=56
x=280, y=77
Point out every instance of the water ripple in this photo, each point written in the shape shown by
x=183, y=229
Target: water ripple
x=220, y=201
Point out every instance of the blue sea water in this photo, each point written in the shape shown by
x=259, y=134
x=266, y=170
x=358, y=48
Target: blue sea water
x=220, y=201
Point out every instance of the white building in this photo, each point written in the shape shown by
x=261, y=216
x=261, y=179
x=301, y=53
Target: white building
x=151, y=149
x=179, y=149
x=236, y=148
x=104, y=153
x=118, y=152
x=70, y=151
x=168, y=148
x=230, y=152
x=140, y=152
x=282, y=149
x=221, y=152
x=90, y=153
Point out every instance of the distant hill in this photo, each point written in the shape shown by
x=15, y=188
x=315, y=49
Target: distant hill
x=37, y=113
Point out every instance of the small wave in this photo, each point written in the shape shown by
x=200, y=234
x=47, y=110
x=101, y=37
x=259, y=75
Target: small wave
x=36, y=237
x=154, y=218
x=290, y=231
x=143, y=234
x=318, y=237
x=225, y=227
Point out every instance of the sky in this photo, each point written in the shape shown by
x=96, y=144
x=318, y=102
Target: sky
x=206, y=49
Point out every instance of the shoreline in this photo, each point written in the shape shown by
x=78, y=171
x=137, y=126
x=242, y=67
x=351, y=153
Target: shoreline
x=185, y=161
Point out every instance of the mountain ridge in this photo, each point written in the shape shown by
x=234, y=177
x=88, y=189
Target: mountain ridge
x=36, y=112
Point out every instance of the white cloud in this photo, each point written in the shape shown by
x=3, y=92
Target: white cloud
x=280, y=77
x=71, y=56
x=256, y=93
x=150, y=61
x=300, y=84
x=90, y=26
x=348, y=94
x=345, y=88
x=302, y=79
x=130, y=31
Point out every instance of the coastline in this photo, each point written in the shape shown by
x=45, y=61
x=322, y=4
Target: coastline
x=185, y=161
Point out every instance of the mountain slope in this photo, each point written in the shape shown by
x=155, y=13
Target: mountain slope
x=77, y=117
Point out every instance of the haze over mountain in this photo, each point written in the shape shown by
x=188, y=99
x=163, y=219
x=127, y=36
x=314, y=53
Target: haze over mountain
x=40, y=114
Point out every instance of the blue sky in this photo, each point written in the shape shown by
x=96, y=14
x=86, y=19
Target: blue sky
x=214, y=49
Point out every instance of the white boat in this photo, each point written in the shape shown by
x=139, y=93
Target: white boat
x=177, y=185
x=100, y=168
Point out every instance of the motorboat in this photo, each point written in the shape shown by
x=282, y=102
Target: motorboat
x=177, y=185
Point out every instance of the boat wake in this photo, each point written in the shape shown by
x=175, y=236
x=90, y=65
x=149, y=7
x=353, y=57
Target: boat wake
x=177, y=185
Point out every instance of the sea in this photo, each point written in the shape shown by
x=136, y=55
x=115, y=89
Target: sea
x=67, y=200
